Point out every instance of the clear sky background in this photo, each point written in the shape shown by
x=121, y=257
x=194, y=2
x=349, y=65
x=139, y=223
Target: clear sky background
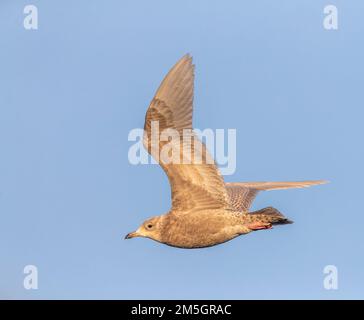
x=71, y=91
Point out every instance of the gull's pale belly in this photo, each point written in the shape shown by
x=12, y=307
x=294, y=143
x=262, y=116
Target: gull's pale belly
x=204, y=229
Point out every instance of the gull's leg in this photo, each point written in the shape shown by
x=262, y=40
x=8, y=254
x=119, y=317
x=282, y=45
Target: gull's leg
x=259, y=225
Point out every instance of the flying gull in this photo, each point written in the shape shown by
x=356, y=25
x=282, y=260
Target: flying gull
x=205, y=210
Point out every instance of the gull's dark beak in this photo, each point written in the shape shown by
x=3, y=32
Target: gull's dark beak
x=131, y=235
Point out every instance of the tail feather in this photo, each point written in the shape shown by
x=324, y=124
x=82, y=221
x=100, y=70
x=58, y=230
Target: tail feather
x=270, y=215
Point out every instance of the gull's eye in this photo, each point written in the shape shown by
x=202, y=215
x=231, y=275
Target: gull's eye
x=149, y=226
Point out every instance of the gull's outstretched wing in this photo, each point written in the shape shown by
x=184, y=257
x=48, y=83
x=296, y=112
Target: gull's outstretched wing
x=195, y=180
x=242, y=194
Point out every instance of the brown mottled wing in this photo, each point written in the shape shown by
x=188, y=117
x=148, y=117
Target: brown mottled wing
x=242, y=194
x=241, y=197
x=194, y=184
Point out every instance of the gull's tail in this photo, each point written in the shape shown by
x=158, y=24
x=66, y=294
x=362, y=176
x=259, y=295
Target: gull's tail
x=270, y=215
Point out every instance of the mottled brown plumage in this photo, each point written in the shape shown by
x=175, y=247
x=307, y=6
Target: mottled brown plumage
x=205, y=210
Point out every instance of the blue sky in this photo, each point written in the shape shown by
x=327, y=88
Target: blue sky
x=71, y=91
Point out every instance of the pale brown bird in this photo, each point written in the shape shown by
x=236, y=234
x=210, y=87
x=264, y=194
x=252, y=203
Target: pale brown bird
x=205, y=210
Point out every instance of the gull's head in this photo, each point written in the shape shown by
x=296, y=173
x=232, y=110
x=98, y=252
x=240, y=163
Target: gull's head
x=149, y=229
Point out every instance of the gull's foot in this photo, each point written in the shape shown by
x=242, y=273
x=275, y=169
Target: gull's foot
x=259, y=226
